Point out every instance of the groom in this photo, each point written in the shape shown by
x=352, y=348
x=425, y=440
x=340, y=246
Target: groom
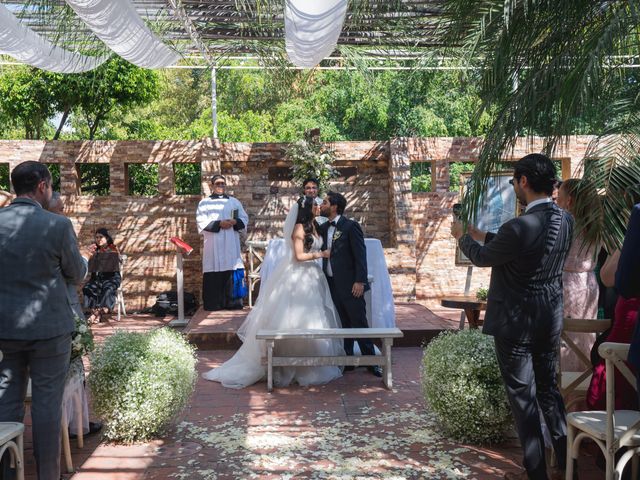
x=346, y=271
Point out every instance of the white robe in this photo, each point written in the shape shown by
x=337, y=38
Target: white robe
x=221, y=251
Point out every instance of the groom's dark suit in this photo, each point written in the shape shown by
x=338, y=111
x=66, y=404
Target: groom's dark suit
x=525, y=316
x=348, y=265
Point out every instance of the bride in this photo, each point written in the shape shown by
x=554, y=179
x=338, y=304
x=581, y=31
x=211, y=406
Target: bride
x=295, y=296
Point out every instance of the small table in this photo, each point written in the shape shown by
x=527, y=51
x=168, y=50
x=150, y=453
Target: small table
x=471, y=306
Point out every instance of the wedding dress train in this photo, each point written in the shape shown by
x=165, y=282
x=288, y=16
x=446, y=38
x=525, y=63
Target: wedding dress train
x=296, y=296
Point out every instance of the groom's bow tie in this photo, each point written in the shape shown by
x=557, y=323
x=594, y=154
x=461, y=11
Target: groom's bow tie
x=333, y=224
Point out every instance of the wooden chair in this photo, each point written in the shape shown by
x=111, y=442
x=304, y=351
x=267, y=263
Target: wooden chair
x=574, y=385
x=121, y=309
x=12, y=439
x=256, y=257
x=610, y=429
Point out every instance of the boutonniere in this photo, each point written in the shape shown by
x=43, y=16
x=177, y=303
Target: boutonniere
x=336, y=235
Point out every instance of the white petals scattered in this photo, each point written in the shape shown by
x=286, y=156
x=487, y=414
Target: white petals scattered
x=395, y=445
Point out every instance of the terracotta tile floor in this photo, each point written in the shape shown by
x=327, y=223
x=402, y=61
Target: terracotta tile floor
x=350, y=428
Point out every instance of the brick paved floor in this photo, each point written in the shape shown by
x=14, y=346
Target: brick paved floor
x=351, y=428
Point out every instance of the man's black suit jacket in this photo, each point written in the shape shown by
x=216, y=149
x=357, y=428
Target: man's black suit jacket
x=527, y=257
x=348, y=255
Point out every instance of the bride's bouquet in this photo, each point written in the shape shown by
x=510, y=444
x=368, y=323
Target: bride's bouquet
x=82, y=339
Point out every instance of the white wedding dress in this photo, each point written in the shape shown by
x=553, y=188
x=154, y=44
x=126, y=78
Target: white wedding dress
x=296, y=296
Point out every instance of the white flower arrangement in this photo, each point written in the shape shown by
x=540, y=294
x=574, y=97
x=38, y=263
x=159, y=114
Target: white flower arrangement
x=311, y=159
x=140, y=381
x=462, y=384
x=82, y=339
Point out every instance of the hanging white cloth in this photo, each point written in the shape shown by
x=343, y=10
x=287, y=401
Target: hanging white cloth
x=312, y=29
x=25, y=45
x=221, y=250
x=119, y=26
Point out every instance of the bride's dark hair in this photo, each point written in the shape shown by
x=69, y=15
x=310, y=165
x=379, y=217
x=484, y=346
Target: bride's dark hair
x=305, y=217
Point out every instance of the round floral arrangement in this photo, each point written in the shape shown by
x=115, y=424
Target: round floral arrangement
x=462, y=384
x=140, y=381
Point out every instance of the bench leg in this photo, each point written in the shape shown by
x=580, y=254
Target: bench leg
x=386, y=351
x=270, y=344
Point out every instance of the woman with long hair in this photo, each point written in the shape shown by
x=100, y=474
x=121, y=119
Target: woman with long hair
x=99, y=293
x=580, y=285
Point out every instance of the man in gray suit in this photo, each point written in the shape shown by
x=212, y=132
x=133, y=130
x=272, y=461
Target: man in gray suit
x=39, y=256
x=524, y=308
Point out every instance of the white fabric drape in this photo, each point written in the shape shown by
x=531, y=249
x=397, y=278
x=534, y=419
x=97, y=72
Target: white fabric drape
x=312, y=29
x=25, y=45
x=119, y=26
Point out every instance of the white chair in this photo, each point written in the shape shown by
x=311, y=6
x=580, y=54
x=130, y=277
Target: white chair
x=256, y=257
x=12, y=439
x=610, y=429
x=121, y=309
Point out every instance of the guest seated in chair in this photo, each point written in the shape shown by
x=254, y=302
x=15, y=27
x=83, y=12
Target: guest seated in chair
x=621, y=331
x=100, y=291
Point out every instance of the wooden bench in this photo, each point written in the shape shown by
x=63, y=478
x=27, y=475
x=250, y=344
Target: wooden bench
x=385, y=334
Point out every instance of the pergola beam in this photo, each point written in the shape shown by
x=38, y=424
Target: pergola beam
x=376, y=23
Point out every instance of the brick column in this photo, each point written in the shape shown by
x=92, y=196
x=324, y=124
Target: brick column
x=210, y=163
x=402, y=258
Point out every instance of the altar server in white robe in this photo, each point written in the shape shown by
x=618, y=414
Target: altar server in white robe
x=220, y=218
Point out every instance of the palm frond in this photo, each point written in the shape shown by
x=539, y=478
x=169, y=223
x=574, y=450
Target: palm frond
x=544, y=65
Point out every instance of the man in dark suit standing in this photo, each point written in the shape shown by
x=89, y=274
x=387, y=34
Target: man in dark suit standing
x=39, y=257
x=346, y=270
x=524, y=308
x=628, y=279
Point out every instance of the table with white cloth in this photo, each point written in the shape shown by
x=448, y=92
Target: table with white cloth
x=380, y=307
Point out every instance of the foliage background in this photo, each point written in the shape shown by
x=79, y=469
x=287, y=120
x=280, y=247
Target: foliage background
x=120, y=101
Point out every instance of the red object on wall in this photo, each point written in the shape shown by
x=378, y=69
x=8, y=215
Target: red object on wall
x=181, y=244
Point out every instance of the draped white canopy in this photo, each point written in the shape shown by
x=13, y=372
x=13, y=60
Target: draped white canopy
x=27, y=46
x=312, y=29
x=119, y=26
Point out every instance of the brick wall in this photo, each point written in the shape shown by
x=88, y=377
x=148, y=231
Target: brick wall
x=375, y=178
x=431, y=213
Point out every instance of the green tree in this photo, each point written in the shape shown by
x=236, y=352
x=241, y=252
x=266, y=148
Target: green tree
x=115, y=86
x=26, y=98
x=293, y=118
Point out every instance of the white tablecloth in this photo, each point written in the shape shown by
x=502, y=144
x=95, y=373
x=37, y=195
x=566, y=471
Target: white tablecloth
x=380, y=307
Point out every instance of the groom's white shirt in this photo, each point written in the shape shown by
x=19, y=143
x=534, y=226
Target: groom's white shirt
x=330, y=233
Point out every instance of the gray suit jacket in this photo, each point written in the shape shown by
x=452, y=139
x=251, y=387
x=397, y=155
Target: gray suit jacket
x=526, y=255
x=38, y=256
